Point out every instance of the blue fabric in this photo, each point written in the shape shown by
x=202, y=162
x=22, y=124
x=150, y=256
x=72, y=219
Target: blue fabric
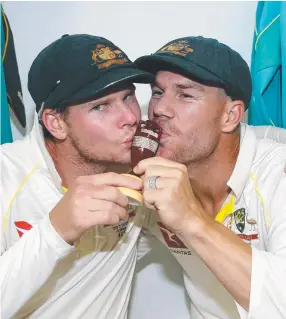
x=268, y=103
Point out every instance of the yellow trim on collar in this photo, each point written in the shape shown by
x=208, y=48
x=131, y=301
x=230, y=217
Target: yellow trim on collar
x=226, y=210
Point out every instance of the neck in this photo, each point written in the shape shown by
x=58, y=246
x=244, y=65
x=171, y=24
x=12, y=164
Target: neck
x=70, y=166
x=209, y=177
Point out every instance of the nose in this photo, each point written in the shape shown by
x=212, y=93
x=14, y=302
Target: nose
x=161, y=108
x=128, y=117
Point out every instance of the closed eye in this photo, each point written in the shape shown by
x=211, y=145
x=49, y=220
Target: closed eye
x=185, y=95
x=156, y=93
x=129, y=96
x=98, y=108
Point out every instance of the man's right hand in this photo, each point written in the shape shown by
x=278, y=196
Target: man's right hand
x=92, y=200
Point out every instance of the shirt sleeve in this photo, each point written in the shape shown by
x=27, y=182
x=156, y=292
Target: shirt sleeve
x=27, y=264
x=268, y=280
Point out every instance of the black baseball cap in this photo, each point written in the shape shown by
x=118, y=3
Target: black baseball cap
x=77, y=68
x=206, y=61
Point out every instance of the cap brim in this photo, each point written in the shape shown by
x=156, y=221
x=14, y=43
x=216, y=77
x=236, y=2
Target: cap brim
x=170, y=62
x=107, y=81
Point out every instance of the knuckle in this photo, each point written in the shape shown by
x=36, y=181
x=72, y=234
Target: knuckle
x=121, y=211
x=76, y=202
x=119, y=197
x=103, y=216
x=124, y=200
x=111, y=206
x=94, y=180
x=112, y=218
x=100, y=188
x=115, y=220
x=78, y=181
x=108, y=215
x=114, y=192
x=78, y=188
x=111, y=175
x=78, y=191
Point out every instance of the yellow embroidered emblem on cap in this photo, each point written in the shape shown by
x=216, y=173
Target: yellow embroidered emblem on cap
x=104, y=56
x=181, y=47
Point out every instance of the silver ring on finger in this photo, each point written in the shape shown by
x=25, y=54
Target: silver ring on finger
x=152, y=182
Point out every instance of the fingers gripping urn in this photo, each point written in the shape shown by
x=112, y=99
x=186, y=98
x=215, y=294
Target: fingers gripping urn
x=144, y=145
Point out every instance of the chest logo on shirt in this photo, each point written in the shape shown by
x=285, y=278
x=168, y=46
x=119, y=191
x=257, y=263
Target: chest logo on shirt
x=22, y=227
x=247, y=226
x=239, y=218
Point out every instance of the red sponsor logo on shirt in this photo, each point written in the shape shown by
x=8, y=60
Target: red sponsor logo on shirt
x=172, y=240
x=248, y=237
x=22, y=227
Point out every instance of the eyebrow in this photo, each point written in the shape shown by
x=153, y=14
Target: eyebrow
x=190, y=86
x=182, y=86
x=105, y=99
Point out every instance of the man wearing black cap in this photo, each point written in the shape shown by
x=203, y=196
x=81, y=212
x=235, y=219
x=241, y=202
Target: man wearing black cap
x=219, y=192
x=68, y=238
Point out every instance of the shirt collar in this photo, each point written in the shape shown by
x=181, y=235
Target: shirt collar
x=247, y=151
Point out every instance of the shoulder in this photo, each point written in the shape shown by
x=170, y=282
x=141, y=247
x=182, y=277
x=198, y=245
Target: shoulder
x=269, y=174
x=18, y=164
x=270, y=157
x=16, y=159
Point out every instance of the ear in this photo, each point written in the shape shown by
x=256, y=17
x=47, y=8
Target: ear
x=234, y=111
x=55, y=124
